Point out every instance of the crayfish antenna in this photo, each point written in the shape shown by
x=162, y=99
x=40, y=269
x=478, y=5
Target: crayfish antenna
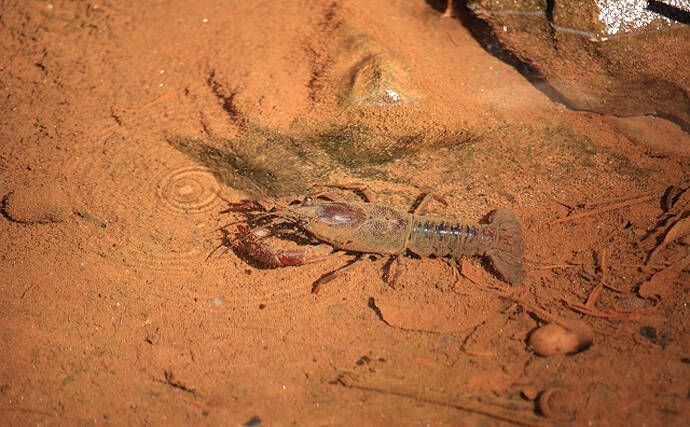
x=254, y=218
x=214, y=251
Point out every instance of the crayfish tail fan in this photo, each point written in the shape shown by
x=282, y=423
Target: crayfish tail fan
x=506, y=255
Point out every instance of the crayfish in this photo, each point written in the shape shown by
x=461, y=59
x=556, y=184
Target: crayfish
x=370, y=228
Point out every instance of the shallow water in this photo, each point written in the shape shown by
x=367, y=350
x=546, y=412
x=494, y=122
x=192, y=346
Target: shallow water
x=153, y=117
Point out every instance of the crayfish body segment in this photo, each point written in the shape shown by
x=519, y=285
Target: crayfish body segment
x=357, y=227
x=501, y=240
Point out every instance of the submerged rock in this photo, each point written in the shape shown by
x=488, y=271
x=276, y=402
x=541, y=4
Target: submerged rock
x=378, y=80
x=617, y=57
x=370, y=75
x=37, y=203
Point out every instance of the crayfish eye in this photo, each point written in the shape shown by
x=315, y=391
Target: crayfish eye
x=308, y=201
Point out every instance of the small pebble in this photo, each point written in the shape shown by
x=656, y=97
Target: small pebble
x=554, y=340
x=529, y=392
x=253, y=421
x=37, y=203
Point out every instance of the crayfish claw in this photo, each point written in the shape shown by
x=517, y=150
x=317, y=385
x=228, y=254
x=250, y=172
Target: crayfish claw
x=254, y=243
